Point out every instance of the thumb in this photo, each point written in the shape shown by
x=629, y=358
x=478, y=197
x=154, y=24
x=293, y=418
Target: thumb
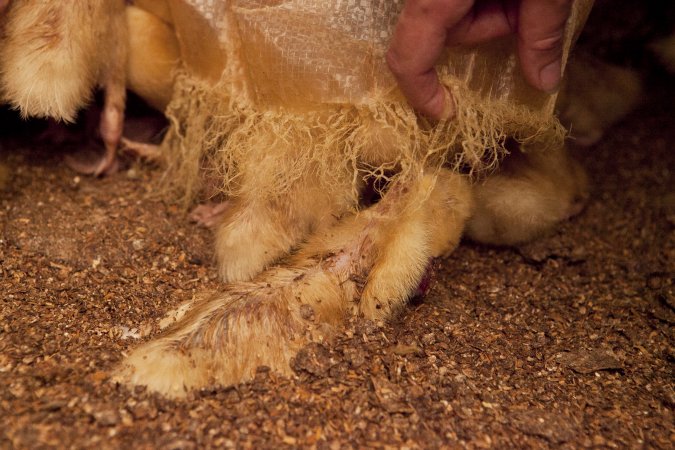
x=541, y=29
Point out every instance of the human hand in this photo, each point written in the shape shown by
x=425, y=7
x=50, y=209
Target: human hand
x=426, y=27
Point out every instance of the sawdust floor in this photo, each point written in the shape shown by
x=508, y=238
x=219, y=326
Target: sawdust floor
x=567, y=342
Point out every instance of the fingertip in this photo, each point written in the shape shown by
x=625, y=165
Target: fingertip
x=439, y=107
x=549, y=77
x=449, y=108
x=541, y=36
x=423, y=91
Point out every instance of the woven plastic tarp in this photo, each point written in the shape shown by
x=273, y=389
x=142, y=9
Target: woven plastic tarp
x=317, y=68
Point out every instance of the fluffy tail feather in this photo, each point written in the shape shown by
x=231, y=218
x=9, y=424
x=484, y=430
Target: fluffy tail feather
x=51, y=55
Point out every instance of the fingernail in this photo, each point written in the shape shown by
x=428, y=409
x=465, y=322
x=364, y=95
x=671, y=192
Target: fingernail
x=549, y=77
x=448, y=106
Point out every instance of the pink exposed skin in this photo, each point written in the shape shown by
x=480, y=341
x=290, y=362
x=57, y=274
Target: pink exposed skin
x=149, y=152
x=3, y=5
x=139, y=131
x=426, y=282
x=209, y=214
x=111, y=125
x=426, y=27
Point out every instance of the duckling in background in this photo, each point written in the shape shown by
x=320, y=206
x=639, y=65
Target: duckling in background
x=596, y=95
x=153, y=54
x=153, y=57
x=664, y=49
x=527, y=197
x=54, y=55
